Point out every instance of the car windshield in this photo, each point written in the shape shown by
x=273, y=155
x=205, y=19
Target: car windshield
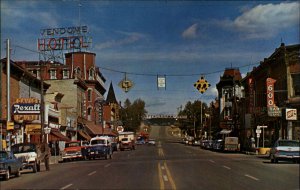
x=23, y=148
x=72, y=144
x=101, y=141
x=289, y=143
x=3, y=155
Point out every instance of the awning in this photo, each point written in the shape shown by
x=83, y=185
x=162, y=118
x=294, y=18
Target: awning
x=84, y=135
x=93, y=128
x=225, y=131
x=55, y=135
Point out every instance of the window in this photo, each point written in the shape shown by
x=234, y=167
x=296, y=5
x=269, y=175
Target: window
x=91, y=74
x=89, y=114
x=65, y=74
x=77, y=72
x=296, y=84
x=52, y=74
x=89, y=95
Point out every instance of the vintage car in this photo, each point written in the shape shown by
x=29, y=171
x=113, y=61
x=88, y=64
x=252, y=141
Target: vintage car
x=74, y=150
x=9, y=165
x=29, y=154
x=285, y=150
x=99, y=147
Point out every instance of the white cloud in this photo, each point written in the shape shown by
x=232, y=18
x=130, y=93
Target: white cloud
x=264, y=21
x=15, y=16
x=191, y=32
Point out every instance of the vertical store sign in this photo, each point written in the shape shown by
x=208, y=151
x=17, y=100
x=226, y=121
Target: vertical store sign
x=251, y=95
x=270, y=92
x=273, y=110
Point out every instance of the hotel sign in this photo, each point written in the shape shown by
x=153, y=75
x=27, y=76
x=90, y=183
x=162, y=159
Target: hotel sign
x=65, y=38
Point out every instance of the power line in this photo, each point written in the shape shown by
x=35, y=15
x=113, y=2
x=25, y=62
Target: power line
x=148, y=74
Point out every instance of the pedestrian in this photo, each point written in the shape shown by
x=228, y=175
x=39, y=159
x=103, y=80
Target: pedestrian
x=45, y=155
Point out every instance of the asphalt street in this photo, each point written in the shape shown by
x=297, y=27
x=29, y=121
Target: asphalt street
x=167, y=165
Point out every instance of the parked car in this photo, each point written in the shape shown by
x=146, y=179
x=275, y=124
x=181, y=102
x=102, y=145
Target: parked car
x=285, y=150
x=74, y=150
x=189, y=140
x=208, y=144
x=151, y=142
x=9, y=165
x=218, y=145
x=29, y=154
x=196, y=142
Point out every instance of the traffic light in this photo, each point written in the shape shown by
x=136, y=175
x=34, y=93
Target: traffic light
x=10, y=125
x=202, y=85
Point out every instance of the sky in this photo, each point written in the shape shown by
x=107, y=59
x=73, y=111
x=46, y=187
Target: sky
x=181, y=40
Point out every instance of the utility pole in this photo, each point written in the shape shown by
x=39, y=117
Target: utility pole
x=42, y=140
x=1, y=124
x=8, y=90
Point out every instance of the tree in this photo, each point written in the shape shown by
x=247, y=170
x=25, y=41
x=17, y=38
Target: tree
x=192, y=111
x=132, y=114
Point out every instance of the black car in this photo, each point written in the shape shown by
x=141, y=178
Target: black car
x=9, y=165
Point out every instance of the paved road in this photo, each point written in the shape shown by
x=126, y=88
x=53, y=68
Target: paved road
x=168, y=165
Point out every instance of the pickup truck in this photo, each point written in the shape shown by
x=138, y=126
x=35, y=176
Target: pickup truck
x=29, y=154
x=127, y=140
x=99, y=147
x=74, y=150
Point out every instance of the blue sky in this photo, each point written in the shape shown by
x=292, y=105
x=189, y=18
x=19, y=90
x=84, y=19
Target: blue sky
x=179, y=39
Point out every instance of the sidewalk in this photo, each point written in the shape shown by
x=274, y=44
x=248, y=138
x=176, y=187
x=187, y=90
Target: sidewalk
x=54, y=160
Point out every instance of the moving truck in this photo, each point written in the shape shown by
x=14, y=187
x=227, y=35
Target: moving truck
x=127, y=140
x=231, y=144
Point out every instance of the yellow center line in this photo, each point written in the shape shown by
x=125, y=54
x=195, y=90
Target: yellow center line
x=161, y=181
x=170, y=177
x=161, y=152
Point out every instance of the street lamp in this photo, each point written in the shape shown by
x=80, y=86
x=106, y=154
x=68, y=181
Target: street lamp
x=47, y=131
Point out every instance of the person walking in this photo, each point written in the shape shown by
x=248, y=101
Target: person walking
x=45, y=155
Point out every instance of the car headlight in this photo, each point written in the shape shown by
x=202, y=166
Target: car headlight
x=3, y=166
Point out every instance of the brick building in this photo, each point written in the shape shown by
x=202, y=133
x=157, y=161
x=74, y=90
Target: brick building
x=283, y=67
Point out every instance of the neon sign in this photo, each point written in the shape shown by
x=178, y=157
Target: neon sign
x=67, y=38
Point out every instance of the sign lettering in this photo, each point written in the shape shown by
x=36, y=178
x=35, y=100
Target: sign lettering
x=67, y=38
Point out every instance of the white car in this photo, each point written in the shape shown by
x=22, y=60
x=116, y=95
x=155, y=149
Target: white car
x=285, y=150
x=151, y=142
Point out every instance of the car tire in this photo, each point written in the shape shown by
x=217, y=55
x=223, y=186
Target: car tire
x=106, y=157
x=18, y=174
x=38, y=167
x=34, y=167
x=7, y=175
x=110, y=156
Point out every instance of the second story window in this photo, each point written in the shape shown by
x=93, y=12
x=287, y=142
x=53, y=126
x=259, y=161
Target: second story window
x=52, y=74
x=89, y=95
x=89, y=114
x=91, y=74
